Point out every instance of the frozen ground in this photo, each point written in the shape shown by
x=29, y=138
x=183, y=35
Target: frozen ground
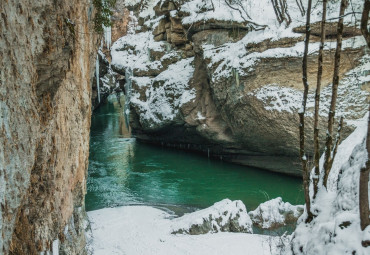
x=146, y=230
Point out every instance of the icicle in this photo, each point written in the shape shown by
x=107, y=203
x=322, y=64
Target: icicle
x=108, y=36
x=97, y=75
x=235, y=74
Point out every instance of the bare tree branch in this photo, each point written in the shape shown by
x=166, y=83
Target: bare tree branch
x=281, y=11
x=240, y=7
x=344, y=15
x=278, y=15
x=301, y=7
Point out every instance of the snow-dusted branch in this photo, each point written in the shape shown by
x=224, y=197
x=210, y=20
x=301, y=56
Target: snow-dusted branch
x=242, y=11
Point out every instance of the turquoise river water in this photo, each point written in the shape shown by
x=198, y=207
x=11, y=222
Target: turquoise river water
x=124, y=172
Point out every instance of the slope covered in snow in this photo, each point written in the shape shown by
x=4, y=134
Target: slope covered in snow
x=336, y=229
x=260, y=12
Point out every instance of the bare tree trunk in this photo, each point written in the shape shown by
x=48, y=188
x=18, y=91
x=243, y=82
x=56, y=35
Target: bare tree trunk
x=317, y=104
x=364, y=192
x=364, y=21
x=329, y=136
x=302, y=154
x=364, y=174
x=339, y=134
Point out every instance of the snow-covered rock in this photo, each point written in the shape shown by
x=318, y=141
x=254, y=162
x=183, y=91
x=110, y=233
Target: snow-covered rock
x=223, y=216
x=245, y=82
x=158, y=100
x=275, y=213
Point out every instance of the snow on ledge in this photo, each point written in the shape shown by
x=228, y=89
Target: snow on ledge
x=351, y=102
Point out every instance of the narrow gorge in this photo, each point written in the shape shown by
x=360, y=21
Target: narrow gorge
x=173, y=127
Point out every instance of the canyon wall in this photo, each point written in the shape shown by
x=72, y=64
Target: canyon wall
x=47, y=57
x=207, y=79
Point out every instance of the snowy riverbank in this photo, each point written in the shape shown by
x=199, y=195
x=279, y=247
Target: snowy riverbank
x=146, y=230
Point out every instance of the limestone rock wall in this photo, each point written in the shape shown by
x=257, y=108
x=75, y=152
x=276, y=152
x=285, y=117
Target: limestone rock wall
x=47, y=52
x=243, y=85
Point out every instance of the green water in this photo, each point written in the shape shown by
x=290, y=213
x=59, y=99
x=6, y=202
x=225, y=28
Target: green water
x=125, y=172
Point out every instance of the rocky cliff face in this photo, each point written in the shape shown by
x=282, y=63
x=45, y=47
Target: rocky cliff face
x=47, y=59
x=227, y=82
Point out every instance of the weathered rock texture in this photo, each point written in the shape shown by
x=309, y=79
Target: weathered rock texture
x=47, y=51
x=247, y=91
x=275, y=213
x=223, y=216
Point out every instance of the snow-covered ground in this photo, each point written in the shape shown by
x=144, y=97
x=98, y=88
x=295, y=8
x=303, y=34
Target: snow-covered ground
x=146, y=230
x=336, y=229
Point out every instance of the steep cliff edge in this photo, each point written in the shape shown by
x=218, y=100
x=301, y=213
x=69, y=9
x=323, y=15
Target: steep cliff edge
x=226, y=81
x=47, y=57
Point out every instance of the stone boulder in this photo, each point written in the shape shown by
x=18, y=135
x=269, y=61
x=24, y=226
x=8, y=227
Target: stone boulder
x=161, y=28
x=178, y=38
x=223, y=216
x=275, y=213
x=164, y=7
